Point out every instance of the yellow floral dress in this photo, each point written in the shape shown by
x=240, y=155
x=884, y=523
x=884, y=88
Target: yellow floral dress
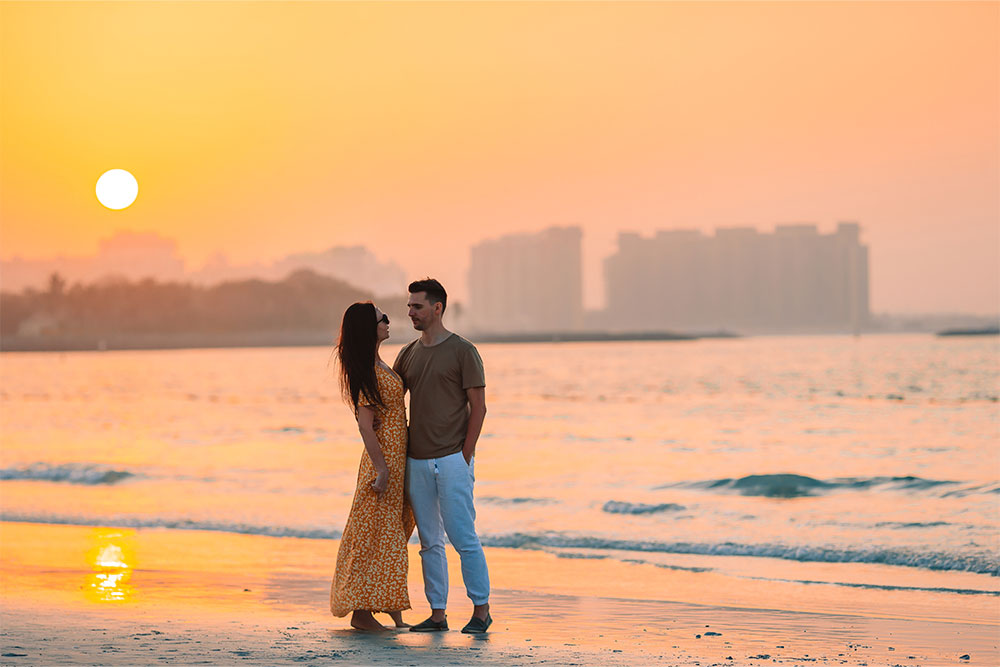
x=372, y=561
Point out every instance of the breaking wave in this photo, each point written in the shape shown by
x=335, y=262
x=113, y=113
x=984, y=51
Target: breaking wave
x=73, y=473
x=618, y=507
x=177, y=524
x=980, y=564
x=497, y=500
x=788, y=485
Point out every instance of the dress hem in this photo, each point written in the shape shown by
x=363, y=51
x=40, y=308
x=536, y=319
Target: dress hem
x=374, y=611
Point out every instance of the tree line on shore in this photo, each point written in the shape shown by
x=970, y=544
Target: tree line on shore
x=303, y=301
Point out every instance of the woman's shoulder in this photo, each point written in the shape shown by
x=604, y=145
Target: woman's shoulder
x=384, y=372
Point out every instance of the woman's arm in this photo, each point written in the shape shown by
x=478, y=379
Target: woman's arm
x=366, y=424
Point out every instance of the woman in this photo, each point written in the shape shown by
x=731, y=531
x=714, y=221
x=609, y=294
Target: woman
x=372, y=561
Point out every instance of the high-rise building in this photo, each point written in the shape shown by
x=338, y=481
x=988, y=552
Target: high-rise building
x=129, y=255
x=356, y=265
x=794, y=279
x=527, y=282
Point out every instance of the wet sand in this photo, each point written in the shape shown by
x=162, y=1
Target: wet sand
x=88, y=595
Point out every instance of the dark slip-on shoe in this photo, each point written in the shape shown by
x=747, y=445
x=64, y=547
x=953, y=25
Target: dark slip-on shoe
x=478, y=626
x=430, y=626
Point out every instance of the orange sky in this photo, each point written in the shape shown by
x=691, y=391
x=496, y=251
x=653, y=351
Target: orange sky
x=261, y=129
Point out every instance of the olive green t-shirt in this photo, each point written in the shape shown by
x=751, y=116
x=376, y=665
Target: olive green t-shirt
x=437, y=378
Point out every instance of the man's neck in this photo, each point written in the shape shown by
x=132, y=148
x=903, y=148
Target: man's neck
x=434, y=335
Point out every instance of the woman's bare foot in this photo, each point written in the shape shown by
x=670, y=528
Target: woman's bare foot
x=397, y=618
x=364, y=621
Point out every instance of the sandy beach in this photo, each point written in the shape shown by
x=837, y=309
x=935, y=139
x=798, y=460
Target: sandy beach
x=92, y=595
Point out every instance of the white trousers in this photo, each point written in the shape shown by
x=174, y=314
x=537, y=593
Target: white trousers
x=440, y=492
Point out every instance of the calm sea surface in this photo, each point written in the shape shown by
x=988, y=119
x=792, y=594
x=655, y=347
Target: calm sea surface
x=833, y=450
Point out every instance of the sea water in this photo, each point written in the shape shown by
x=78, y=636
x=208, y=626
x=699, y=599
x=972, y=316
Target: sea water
x=683, y=454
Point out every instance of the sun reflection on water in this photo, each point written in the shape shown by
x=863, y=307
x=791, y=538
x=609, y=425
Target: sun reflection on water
x=112, y=559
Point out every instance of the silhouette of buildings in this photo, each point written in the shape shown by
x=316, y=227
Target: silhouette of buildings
x=527, y=282
x=355, y=265
x=139, y=255
x=131, y=255
x=792, y=280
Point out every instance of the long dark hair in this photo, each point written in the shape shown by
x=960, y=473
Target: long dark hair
x=356, y=353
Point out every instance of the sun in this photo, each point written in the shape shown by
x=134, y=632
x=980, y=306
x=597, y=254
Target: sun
x=117, y=189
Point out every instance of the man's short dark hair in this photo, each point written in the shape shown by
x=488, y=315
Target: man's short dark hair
x=434, y=289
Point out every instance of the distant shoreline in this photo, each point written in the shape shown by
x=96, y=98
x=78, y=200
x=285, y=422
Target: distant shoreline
x=302, y=339
x=327, y=339
x=982, y=331
x=589, y=337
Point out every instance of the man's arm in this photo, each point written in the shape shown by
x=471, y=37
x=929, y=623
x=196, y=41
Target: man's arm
x=477, y=413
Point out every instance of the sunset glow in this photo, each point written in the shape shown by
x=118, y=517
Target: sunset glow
x=417, y=130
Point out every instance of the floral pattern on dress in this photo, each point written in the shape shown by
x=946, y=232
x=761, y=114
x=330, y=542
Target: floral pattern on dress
x=372, y=562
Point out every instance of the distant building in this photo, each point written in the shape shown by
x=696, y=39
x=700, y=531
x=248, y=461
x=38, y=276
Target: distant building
x=140, y=255
x=135, y=256
x=527, y=282
x=740, y=280
x=355, y=265
x=131, y=255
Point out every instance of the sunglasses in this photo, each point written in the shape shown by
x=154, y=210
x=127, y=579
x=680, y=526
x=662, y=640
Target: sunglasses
x=384, y=318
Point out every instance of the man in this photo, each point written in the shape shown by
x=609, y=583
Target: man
x=444, y=375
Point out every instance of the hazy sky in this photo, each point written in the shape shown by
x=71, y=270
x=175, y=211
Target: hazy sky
x=261, y=129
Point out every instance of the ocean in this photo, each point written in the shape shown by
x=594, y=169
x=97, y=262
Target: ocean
x=749, y=457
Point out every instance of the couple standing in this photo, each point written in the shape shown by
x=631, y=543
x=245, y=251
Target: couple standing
x=424, y=473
